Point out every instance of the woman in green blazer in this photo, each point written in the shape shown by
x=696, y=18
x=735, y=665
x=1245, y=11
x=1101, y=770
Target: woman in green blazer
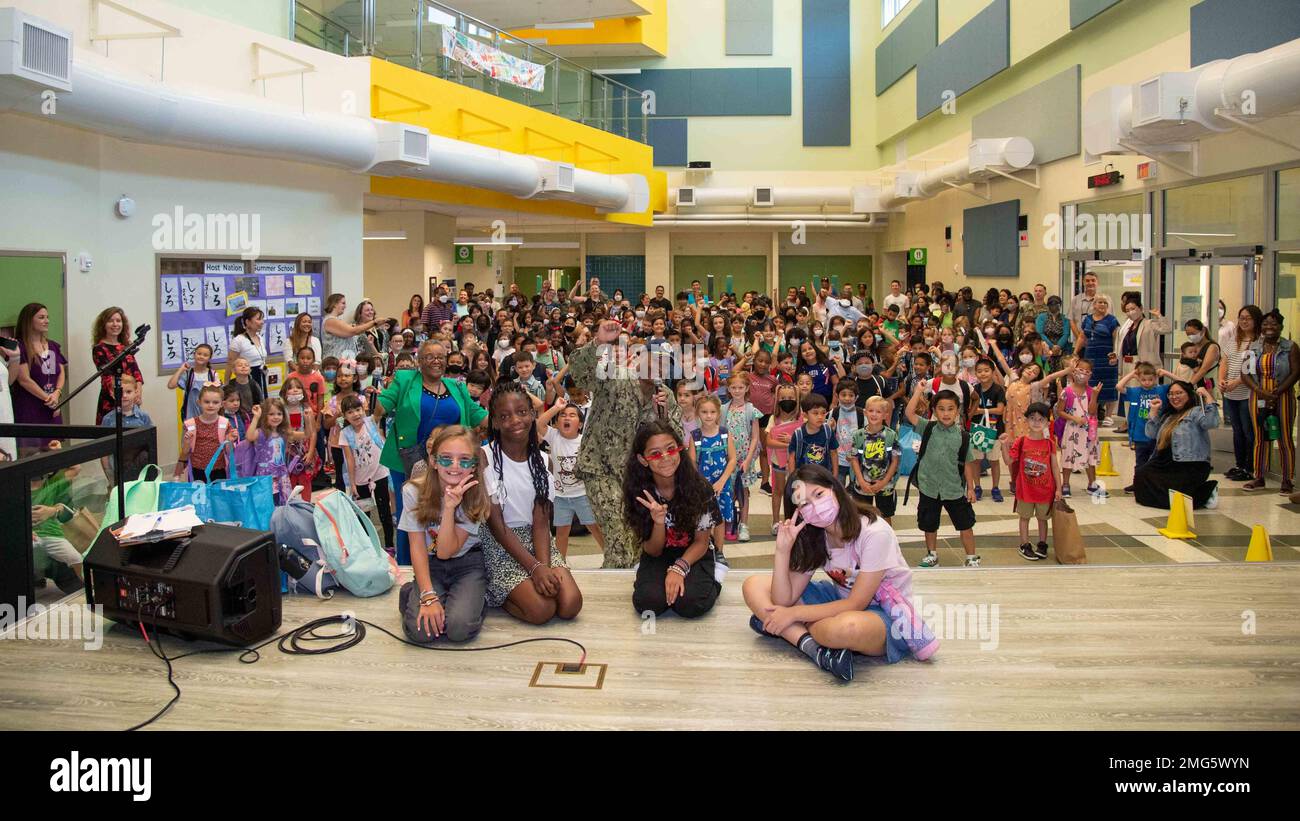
x=421, y=402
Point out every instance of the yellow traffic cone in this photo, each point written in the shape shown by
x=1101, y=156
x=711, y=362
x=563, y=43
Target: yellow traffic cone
x=1260, y=549
x=1106, y=468
x=1181, y=518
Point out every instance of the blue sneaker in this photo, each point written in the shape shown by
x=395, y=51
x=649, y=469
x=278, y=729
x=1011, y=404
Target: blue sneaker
x=997, y=494
x=756, y=624
x=1065, y=492
x=838, y=663
x=979, y=492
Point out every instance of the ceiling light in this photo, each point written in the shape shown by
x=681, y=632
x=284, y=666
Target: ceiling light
x=378, y=235
x=589, y=24
x=568, y=245
x=484, y=241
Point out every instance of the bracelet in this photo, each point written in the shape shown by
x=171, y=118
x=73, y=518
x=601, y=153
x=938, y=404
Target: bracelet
x=673, y=568
x=683, y=565
x=428, y=599
x=532, y=569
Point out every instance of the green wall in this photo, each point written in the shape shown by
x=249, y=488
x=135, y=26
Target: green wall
x=799, y=270
x=525, y=276
x=35, y=279
x=749, y=273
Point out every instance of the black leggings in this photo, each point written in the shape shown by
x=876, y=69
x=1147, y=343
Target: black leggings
x=340, y=464
x=383, y=503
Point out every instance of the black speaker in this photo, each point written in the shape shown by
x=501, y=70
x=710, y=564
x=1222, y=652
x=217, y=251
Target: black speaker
x=221, y=583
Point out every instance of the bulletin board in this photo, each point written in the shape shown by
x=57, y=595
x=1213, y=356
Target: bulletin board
x=198, y=301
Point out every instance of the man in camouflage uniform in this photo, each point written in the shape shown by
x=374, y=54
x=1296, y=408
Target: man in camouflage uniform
x=620, y=403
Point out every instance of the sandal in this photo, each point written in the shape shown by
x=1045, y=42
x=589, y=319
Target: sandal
x=1253, y=485
x=1287, y=489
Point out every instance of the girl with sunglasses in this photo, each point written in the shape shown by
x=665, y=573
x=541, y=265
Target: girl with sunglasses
x=441, y=514
x=671, y=509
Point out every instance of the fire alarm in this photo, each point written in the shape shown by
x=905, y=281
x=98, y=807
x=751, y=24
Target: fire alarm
x=125, y=206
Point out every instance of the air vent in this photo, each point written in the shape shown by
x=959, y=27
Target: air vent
x=35, y=50
x=557, y=177
x=406, y=145
x=685, y=196
x=763, y=198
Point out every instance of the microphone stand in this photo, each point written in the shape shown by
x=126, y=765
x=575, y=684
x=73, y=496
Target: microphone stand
x=114, y=367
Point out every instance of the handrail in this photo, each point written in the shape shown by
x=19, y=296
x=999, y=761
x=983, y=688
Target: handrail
x=597, y=106
x=512, y=38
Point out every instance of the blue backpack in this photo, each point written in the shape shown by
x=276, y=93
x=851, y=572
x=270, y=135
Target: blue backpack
x=294, y=525
x=350, y=545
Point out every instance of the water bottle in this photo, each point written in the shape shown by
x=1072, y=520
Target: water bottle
x=1272, y=428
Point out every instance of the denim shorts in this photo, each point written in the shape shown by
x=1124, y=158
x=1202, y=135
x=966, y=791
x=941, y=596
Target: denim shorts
x=566, y=509
x=826, y=592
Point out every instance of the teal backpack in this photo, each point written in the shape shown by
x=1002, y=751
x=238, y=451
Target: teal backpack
x=350, y=545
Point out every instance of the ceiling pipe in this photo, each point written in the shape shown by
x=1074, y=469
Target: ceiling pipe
x=108, y=102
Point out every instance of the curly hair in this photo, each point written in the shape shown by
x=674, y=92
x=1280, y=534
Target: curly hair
x=536, y=464
x=692, y=499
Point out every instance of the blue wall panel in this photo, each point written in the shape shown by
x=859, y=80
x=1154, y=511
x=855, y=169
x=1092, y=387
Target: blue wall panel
x=915, y=35
x=1081, y=11
x=716, y=92
x=1223, y=29
x=618, y=273
x=974, y=53
x=827, y=101
x=669, y=140
x=990, y=241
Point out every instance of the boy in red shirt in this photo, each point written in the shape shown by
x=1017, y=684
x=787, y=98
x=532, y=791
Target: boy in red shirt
x=1032, y=463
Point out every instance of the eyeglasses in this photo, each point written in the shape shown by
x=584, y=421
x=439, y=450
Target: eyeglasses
x=660, y=454
x=464, y=462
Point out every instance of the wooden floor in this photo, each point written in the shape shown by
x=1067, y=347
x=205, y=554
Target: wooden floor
x=1081, y=648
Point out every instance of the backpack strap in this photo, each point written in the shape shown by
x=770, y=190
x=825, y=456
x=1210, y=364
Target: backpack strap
x=920, y=454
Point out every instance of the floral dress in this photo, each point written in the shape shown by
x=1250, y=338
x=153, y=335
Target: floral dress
x=711, y=451
x=1018, y=399
x=740, y=424
x=1080, y=447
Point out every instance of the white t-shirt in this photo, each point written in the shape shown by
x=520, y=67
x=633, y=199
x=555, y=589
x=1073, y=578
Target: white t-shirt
x=409, y=524
x=564, y=456
x=876, y=548
x=369, y=445
x=901, y=300
x=515, y=494
x=242, y=347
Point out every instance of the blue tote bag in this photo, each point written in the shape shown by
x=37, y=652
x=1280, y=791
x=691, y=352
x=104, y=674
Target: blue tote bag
x=247, y=502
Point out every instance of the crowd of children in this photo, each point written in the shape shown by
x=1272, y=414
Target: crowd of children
x=818, y=399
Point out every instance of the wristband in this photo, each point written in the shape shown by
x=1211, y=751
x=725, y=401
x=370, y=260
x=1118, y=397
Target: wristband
x=672, y=568
x=683, y=565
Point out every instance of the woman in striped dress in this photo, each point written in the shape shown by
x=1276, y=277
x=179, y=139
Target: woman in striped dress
x=1272, y=377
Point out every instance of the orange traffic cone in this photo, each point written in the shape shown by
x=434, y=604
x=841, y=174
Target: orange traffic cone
x=1106, y=468
x=1181, y=518
x=1260, y=549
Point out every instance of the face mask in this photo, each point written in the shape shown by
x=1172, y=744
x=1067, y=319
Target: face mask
x=543, y=347
x=948, y=368
x=454, y=369
x=503, y=343
x=865, y=371
x=1134, y=313
x=1024, y=304
x=1026, y=358
x=937, y=311
x=968, y=363
x=787, y=405
x=1004, y=341
x=834, y=344
x=989, y=332
x=1195, y=337
x=1081, y=376
x=1221, y=313
x=444, y=299
x=817, y=332
x=822, y=512
x=361, y=371
x=294, y=397
x=879, y=339
x=329, y=375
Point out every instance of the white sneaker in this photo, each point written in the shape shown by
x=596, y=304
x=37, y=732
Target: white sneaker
x=1108, y=422
x=972, y=561
x=744, y=533
x=1213, y=501
x=773, y=529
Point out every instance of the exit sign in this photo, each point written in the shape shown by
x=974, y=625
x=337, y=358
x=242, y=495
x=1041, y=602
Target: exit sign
x=916, y=256
x=1147, y=170
x=1103, y=180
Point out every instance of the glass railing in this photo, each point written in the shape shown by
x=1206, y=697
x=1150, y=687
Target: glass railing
x=437, y=39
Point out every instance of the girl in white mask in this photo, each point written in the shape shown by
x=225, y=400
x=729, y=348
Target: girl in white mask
x=830, y=620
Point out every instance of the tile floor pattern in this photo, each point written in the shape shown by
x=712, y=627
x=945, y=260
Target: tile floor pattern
x=1116, y=531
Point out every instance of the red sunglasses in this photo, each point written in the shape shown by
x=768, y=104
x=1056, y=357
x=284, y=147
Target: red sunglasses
x=673, y=451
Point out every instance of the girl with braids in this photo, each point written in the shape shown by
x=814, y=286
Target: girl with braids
x=870, y=586
x=526, y=573
x=671, y=509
